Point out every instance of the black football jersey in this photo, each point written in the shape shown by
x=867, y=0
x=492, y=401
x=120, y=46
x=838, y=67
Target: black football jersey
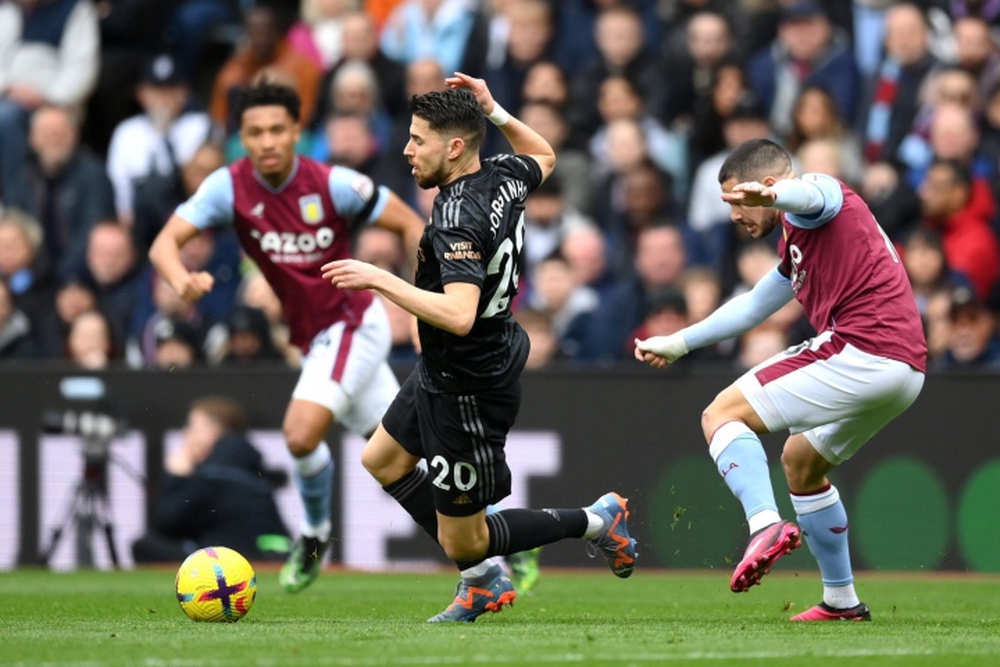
x=475, y=235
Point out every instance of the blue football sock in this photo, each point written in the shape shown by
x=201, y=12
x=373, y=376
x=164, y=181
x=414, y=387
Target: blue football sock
x=315, y=484
x=740, y=459
x=823, y=521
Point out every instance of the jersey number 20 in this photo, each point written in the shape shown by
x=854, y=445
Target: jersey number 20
x=505, y=258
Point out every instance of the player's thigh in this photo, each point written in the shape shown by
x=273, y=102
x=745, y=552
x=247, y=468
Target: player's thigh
x=839, y=440
x=463, y=440
x=343, y=360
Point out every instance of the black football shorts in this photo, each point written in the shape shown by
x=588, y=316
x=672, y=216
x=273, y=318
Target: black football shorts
x=461, y=437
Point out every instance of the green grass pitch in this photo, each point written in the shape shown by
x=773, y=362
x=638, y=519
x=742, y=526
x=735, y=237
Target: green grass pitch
x=574, y=618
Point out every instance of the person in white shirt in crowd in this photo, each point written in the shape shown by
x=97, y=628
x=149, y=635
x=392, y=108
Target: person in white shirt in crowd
x=154, y=143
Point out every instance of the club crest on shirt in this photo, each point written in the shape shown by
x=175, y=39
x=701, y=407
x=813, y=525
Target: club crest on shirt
x=311, y=208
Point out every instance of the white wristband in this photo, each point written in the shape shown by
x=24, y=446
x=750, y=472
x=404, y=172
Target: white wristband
x=499, y=116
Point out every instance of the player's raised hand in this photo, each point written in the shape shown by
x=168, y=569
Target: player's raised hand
x=193, y=286
x=351, y=274
x=478, y=88
x=750, y=193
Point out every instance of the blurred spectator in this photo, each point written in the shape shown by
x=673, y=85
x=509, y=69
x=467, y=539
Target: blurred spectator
x=265, y=50
x=360, y=42
x=178, y=345
x=893, y=202
x=191, y=26
x=215, y=491
x=727, y=89
x=927, y=268
x=961, y=210
x=438, y=29
x=249, y=339
x=112, y=269
x=256, y=292
x=572, y=171
x=73, y=298
x=809, y=50
x=90, y=343
x=586, y=252
x=319, y=32
x=815, y=116
x=131, y=31
x=64, y=186
x=422, y=76
x=707, y=43
x=954, y=136
x=142, y=346
x=381, y=247
x=577, y=41
x=760, y=344
x=619, y=99
x=894, y=95
x=50, y=55
x=831, y=157
x=351, y=142
x=25, y=269
x=702, y=291
x=545, y=81
x=666, y=313
x=708, y=216
x=622, y=51
x=568, y=306
x=990, y=127
x=972, y=338
x=976, y=52
x=544, y=344
x=659, y=262
x=354, y=90
x=147, y=150
x=531, y=25
x=156, y=195
x=547, y=219
x=17, y=340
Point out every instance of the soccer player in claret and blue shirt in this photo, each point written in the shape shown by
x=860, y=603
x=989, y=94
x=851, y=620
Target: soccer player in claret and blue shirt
x=292, y=215
x=833, y=392
x=461, y=400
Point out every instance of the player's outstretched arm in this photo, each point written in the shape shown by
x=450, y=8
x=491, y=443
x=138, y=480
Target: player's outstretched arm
x=165, y=254
x=454, y=311
x=736, y=316
x=523, y=139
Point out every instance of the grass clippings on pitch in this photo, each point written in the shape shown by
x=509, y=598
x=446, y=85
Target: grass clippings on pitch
x=574, y=618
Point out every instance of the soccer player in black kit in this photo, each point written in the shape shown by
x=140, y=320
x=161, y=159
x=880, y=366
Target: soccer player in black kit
x=461, y=400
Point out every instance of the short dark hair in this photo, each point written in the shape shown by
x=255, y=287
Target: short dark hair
x=452, y=110
x=223, y=410
x=755, y=159
x=266, y=93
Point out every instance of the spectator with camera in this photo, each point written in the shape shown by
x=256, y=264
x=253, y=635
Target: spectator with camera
x=215, y=491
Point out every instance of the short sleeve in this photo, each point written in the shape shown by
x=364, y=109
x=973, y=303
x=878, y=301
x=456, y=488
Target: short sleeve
x=356, y=196
x=520, y=167
x=212, y=204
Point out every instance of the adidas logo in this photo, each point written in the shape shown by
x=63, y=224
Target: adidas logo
x=462, y=499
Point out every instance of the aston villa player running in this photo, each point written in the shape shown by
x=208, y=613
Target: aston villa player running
x=292, y=216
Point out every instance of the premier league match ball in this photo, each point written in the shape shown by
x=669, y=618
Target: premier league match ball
x=216, y=584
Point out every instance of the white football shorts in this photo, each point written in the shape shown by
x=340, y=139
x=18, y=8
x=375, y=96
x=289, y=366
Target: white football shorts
x=346, y=371
x=837, y=396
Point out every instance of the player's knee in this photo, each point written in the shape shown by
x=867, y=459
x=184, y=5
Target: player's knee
x=800, y=475
x=711, y=419
x=300, y=439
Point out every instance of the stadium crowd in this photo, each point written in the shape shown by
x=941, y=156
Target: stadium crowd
x=113, y=112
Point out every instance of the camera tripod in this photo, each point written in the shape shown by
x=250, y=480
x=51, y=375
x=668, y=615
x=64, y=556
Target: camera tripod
x=89, y=508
